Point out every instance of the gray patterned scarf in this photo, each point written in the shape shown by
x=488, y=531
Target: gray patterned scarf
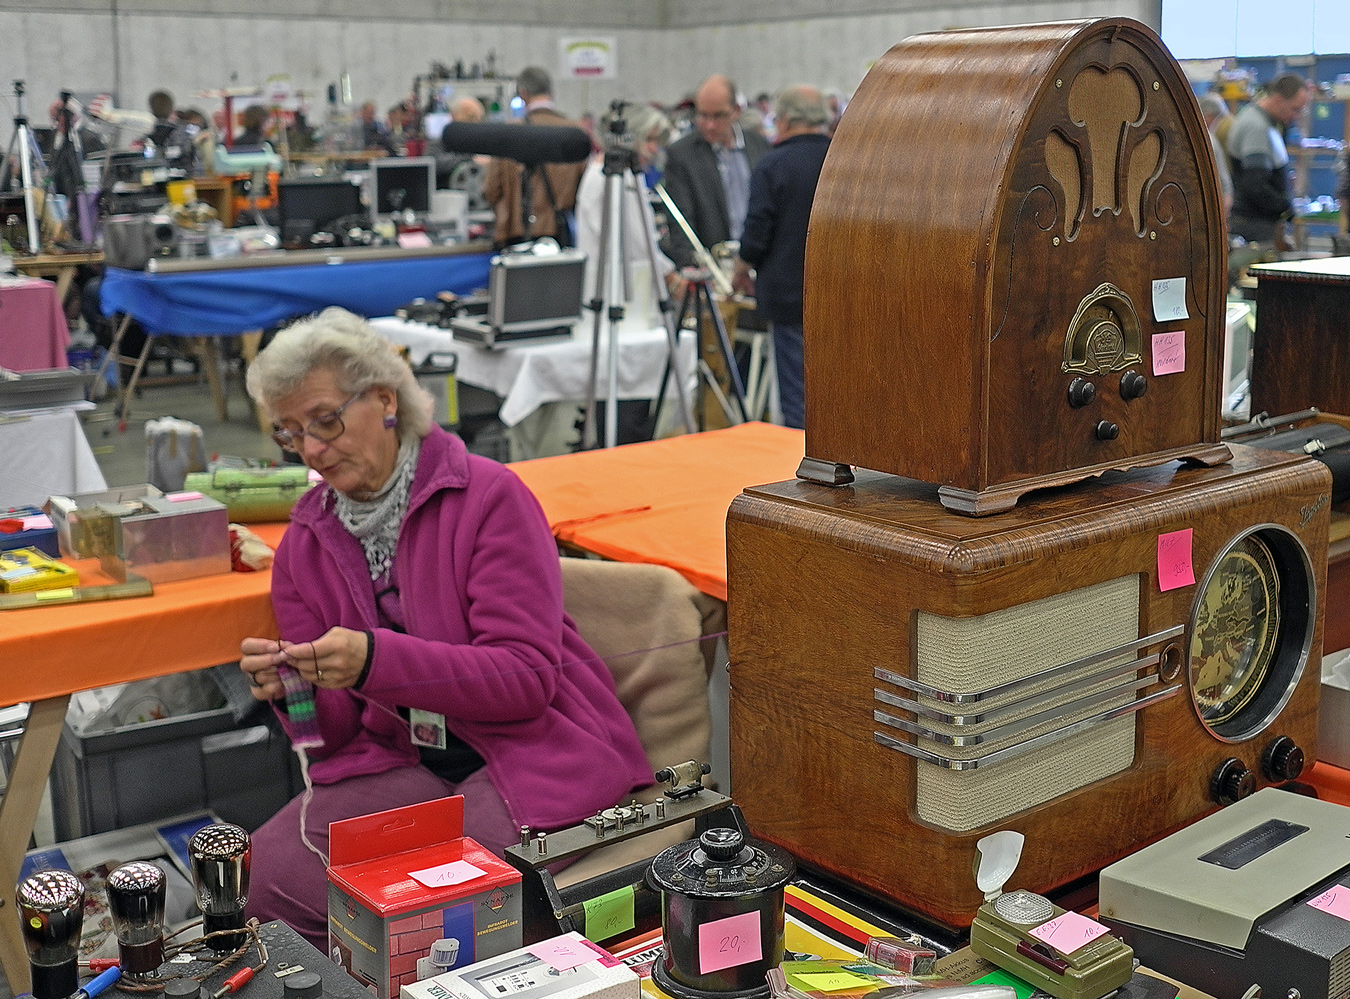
x=375, y=522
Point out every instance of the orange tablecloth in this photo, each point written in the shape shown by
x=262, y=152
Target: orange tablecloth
x=191, y=624
x=662, y=502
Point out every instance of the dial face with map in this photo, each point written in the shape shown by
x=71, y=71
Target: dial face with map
x=1235, y=631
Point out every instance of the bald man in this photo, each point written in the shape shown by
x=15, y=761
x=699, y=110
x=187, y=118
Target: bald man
x=708, y=171
x=467, y=109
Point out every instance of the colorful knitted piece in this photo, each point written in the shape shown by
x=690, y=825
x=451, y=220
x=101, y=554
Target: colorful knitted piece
x=300, y=709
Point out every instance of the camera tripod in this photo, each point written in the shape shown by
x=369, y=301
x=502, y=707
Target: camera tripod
x=612, y=286
x=25, y=146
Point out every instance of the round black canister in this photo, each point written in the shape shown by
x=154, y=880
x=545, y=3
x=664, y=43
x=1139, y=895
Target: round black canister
x=717, y=876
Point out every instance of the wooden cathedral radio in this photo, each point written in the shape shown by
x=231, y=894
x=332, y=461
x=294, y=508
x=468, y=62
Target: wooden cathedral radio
x=1093, y=664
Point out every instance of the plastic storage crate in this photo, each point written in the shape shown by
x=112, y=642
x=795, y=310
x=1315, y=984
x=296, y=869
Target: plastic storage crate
x=153, y=770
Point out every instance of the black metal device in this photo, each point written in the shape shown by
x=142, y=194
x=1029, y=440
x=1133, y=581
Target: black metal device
x=548, y=910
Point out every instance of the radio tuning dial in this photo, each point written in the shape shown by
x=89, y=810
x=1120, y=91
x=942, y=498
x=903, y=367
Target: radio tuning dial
x=1107, y=431
x=1231, y=782
x=1282, y=760
x=1081, y=393
x=1132, y=385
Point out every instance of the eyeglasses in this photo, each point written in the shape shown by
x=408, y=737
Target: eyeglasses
x=326, y=428
x=714, y=115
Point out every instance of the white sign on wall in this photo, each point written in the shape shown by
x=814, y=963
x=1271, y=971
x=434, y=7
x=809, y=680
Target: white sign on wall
x=587, y=58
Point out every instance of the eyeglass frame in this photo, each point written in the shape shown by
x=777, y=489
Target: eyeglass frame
x=726, y=115
x=289, y=440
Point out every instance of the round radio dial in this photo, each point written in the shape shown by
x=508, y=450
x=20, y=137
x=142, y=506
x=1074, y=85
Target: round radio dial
x=1231, y=782
x=1107, y=431
x=1282, y=760
x=1081, y=393
x=1132, y=385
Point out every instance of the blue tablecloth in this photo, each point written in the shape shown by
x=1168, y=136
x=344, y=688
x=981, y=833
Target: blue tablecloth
x=224, y=302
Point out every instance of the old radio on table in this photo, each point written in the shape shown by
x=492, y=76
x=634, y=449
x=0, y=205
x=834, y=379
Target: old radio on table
x=1015, y=271
x=1102, y=662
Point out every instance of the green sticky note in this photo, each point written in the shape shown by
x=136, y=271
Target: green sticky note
x=609, y=914
x=834, y=981
x=1022, y=989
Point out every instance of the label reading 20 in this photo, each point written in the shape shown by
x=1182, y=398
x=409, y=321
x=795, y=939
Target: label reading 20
x=729, y=942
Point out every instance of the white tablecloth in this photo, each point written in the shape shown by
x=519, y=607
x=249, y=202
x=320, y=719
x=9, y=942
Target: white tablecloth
x=528, y=375
x=45, y=455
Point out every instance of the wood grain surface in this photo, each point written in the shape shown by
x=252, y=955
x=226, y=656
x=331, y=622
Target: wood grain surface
x=981, y=187
x=825, y=584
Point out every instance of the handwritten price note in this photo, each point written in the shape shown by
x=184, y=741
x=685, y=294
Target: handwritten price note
x=1335, y=900
x=39, y=523
x=1174, y=560
x=562, y=953
x=832, y=981
x=1169, y=352
x=442, y=876
x=1169, y=299
x=729, y=942
x=1069, y=932
x=609, y=914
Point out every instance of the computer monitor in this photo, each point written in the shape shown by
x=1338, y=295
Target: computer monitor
x=400, y=184
x=320, y=201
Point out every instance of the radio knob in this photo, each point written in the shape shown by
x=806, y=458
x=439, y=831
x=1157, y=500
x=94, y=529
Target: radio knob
x=1282, y=760
x=1231, y=782
x=1081, y=393
x=1107, y=431
x=1132, y=385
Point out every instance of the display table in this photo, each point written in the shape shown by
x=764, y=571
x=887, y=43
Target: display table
x=53, y=652
x=61, y=266
x=242, y=296
x=662, y=502
x=46, y=454
x=33, y=331
x=529, y=375
x=1301, y=349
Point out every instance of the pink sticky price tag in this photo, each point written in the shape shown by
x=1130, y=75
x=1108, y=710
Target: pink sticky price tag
x=39, y=523
x=562, y=953
x=183, y=497
x=413, y=240
x=729, y=942
x=1335, y=900
x=1169, y=352
x=1069, y=932
x=1174, y=560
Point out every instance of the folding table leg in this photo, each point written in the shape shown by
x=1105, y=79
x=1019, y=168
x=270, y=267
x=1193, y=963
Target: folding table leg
x=18, y=810
x=130, y=390
x=248, y=346
x=210, y=358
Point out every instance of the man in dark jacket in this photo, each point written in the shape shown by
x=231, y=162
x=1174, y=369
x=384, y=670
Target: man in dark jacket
x=1260, y=161
x=774, y=241
x=708, y=171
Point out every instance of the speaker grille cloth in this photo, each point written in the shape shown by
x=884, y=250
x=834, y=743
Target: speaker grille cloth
x=965, y=654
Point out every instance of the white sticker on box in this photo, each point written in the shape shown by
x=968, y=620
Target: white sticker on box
x=444, y=875
x=1169, y=299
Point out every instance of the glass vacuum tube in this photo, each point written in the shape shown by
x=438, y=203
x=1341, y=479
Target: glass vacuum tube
x=51, y=907
x=221, y=855
x=136, y=894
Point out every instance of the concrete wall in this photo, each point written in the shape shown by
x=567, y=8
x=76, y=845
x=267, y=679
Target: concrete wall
x=664, y=46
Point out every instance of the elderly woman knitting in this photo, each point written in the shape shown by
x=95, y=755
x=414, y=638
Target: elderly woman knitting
x=419, y=601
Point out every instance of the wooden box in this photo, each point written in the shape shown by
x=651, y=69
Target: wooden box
x=989, y=224
x=847, y=603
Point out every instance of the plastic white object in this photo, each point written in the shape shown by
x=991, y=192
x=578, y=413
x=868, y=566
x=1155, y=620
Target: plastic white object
x=445, y=951
x=997, y=857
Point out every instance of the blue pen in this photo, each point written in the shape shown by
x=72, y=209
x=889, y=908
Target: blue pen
x=97, y=985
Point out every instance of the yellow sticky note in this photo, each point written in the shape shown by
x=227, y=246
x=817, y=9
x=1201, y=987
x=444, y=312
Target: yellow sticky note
x=609, y=914
x=833, y=981
x=64, y=593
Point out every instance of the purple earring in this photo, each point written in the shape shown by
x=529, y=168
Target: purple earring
x=390, y=421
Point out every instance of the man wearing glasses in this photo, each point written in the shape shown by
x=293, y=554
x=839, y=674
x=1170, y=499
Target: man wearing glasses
x=708, y=171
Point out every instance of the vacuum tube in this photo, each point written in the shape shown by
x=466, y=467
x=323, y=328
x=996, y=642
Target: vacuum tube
x=136, y=894
x=51, y=907
x=221, y=855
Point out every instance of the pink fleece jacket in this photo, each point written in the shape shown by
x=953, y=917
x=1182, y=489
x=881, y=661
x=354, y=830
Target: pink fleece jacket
x=487, y=642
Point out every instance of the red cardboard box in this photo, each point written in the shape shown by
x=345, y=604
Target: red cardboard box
x=405, y=881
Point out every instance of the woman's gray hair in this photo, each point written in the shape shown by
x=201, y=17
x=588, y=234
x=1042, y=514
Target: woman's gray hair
x=354, y=352
x=642, y=120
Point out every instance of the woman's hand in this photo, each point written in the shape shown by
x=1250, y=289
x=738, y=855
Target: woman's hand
x=333, y=662
x=259, y=659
